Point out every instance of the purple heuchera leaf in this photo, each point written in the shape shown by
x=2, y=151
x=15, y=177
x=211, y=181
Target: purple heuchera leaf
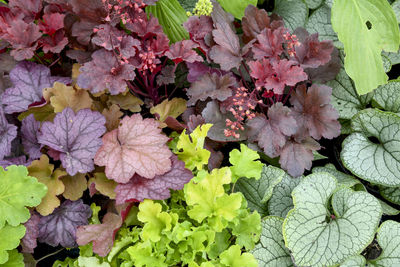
x=104, y=72
x=76, y=136
x=7, y=133
x=21, y=160
x=158, y=188
x=32, y=232
x=29, y=80
x=29, y=130
x=59, y=228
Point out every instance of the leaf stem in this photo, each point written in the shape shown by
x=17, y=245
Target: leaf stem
x=49, y=255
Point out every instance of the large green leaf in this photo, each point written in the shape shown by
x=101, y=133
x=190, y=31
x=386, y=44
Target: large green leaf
x=391, y=194
x=354, y=261
x=15, y=259
x=377, y=161
x=294, y=13
x=281, y=200
x=236, y=7
x=318, y=237
x=258, y=192
x=171, y=16
x=10, y=237
x=365, y=27
x=271, y=251
x=313, y=3
x=388, y=238
x=342, y=178
x=344, y=95
x=388, y=96
x=18, y=190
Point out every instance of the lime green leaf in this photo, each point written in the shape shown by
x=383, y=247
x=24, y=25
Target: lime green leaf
x=344, y=95
x=245, y=163
x=379, y=162
x=271, y=250
x=315, y=236
x=388, y=96
x=233, y=257
x=294, y=13
x=354, y=261
x=15, y=259
x=391, y=194
x=3, y=1
x=342, y=178
x=388, y=238
x=373, y=27
x=18, y=190
x=190, y=149
x=313, y=4
x=281, y=200
x=10, y=237
x=171, y=16
x=236, y=7
x=258, y=192
x=318, y=156
x=247, y=229
x=207, y=199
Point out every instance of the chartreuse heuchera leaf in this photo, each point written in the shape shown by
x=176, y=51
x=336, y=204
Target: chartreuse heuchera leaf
x=373, y=27
x=245, y=163
x=271, y=250
x=379, y=161
x=236, y=7
x=258, y=192
x=320, y=233
x=191, y=148
x=10, y=238
x=18, y=191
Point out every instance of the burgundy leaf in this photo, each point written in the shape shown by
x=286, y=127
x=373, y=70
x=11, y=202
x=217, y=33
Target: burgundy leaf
x=312, y=109
x=7, y=62
x=326, y=72
x=200, y=29
x=211, y=85
x=7, y=134
x=76, y=136
x=183, y=51
x=158, y=188
x=102, y=235
x=22, y=36
x=83, y=31
x=29, y=5
x=29, y=80
x=29, y=243
x=144, y=26
x=29, y=131
x=104, y=71
x=194, y=121
x=269, y=43
x=54, y=43
x=51, y=23
x=166, y=76
x=296, y=157
x=107, y=36
x=198, y=69
x=59, y=228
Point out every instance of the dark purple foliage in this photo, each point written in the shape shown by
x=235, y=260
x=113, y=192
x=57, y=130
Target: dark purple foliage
x=29, y=131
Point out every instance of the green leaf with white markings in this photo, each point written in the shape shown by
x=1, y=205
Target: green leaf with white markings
x=313, y=4
x=388, y=96
x=342, y=178
x=258, y=192
x=388, y=238
x=317, y=236
x=391, y=194
x=354, y=261
x=271, y=250
x=281, y=200
x=377, y=161
x=294, y=13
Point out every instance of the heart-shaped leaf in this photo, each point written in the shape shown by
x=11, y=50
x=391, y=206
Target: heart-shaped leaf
x=342, y=178
x=376, y=160
x=294, y=13
x=388, y=238
x=354, y=261
x=281, y=200
x=271, y=250
x=312, y=4
x=388, y=96
x=317, y=236
x=258, y=192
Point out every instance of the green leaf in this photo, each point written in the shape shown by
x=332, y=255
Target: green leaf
x=171, y=16
x=378, y=163
x=188, y=5
x=281, y=200
x=387, y=209
x=373, y=28
x=388, y=238
x=396, y=9
x=342, y=178
x=294, y=13
x=247, y=229
x=245, y=163
x=354, y=261
x=388, y=96
x=314, y=237
x=18, y=190
x=313, y=4
x=10, y=237
x=258, y=192
x=271, y=250
x=15, y=259
x=91, y=262
x=236, y=7
x=233, y=257
x=393, y=57
x=391, y=194
x=345, y=98
x=318, y=156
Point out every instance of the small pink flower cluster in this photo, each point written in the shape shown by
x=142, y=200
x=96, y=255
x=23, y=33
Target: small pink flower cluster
x=291, y=42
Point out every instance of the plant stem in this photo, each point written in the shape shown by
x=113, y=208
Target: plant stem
x=49, y=255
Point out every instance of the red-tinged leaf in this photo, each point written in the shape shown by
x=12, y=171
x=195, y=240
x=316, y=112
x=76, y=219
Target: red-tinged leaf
x=200, y=30
x=137, y=146
x=269, y=43
x=256, y=20
x=313, y=111
x=51, y=23
x=23, y=38
x=327, y=72
x=29, y=5
x=227, y=52
x=167, y=75
x=198, y=69
x=312, y=53
x=102, y=235
x=296, y=157
x=55, y=43
x=144, y=26
x=213, y=86
x=107, y=36
x=83, y=31
x=158, y=188
x=183, y=51
x=29, y=242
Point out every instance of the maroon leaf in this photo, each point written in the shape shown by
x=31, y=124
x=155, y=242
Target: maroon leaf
x=328, y=71
x=29, y=5
x=54, y=43
x=269, y=43
x=23, y=38
x=166, y=76
x=144, y=26
x=183, y=51
x=200, y=30
x=51, y=23
x=29, y=242
x=158, y=188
